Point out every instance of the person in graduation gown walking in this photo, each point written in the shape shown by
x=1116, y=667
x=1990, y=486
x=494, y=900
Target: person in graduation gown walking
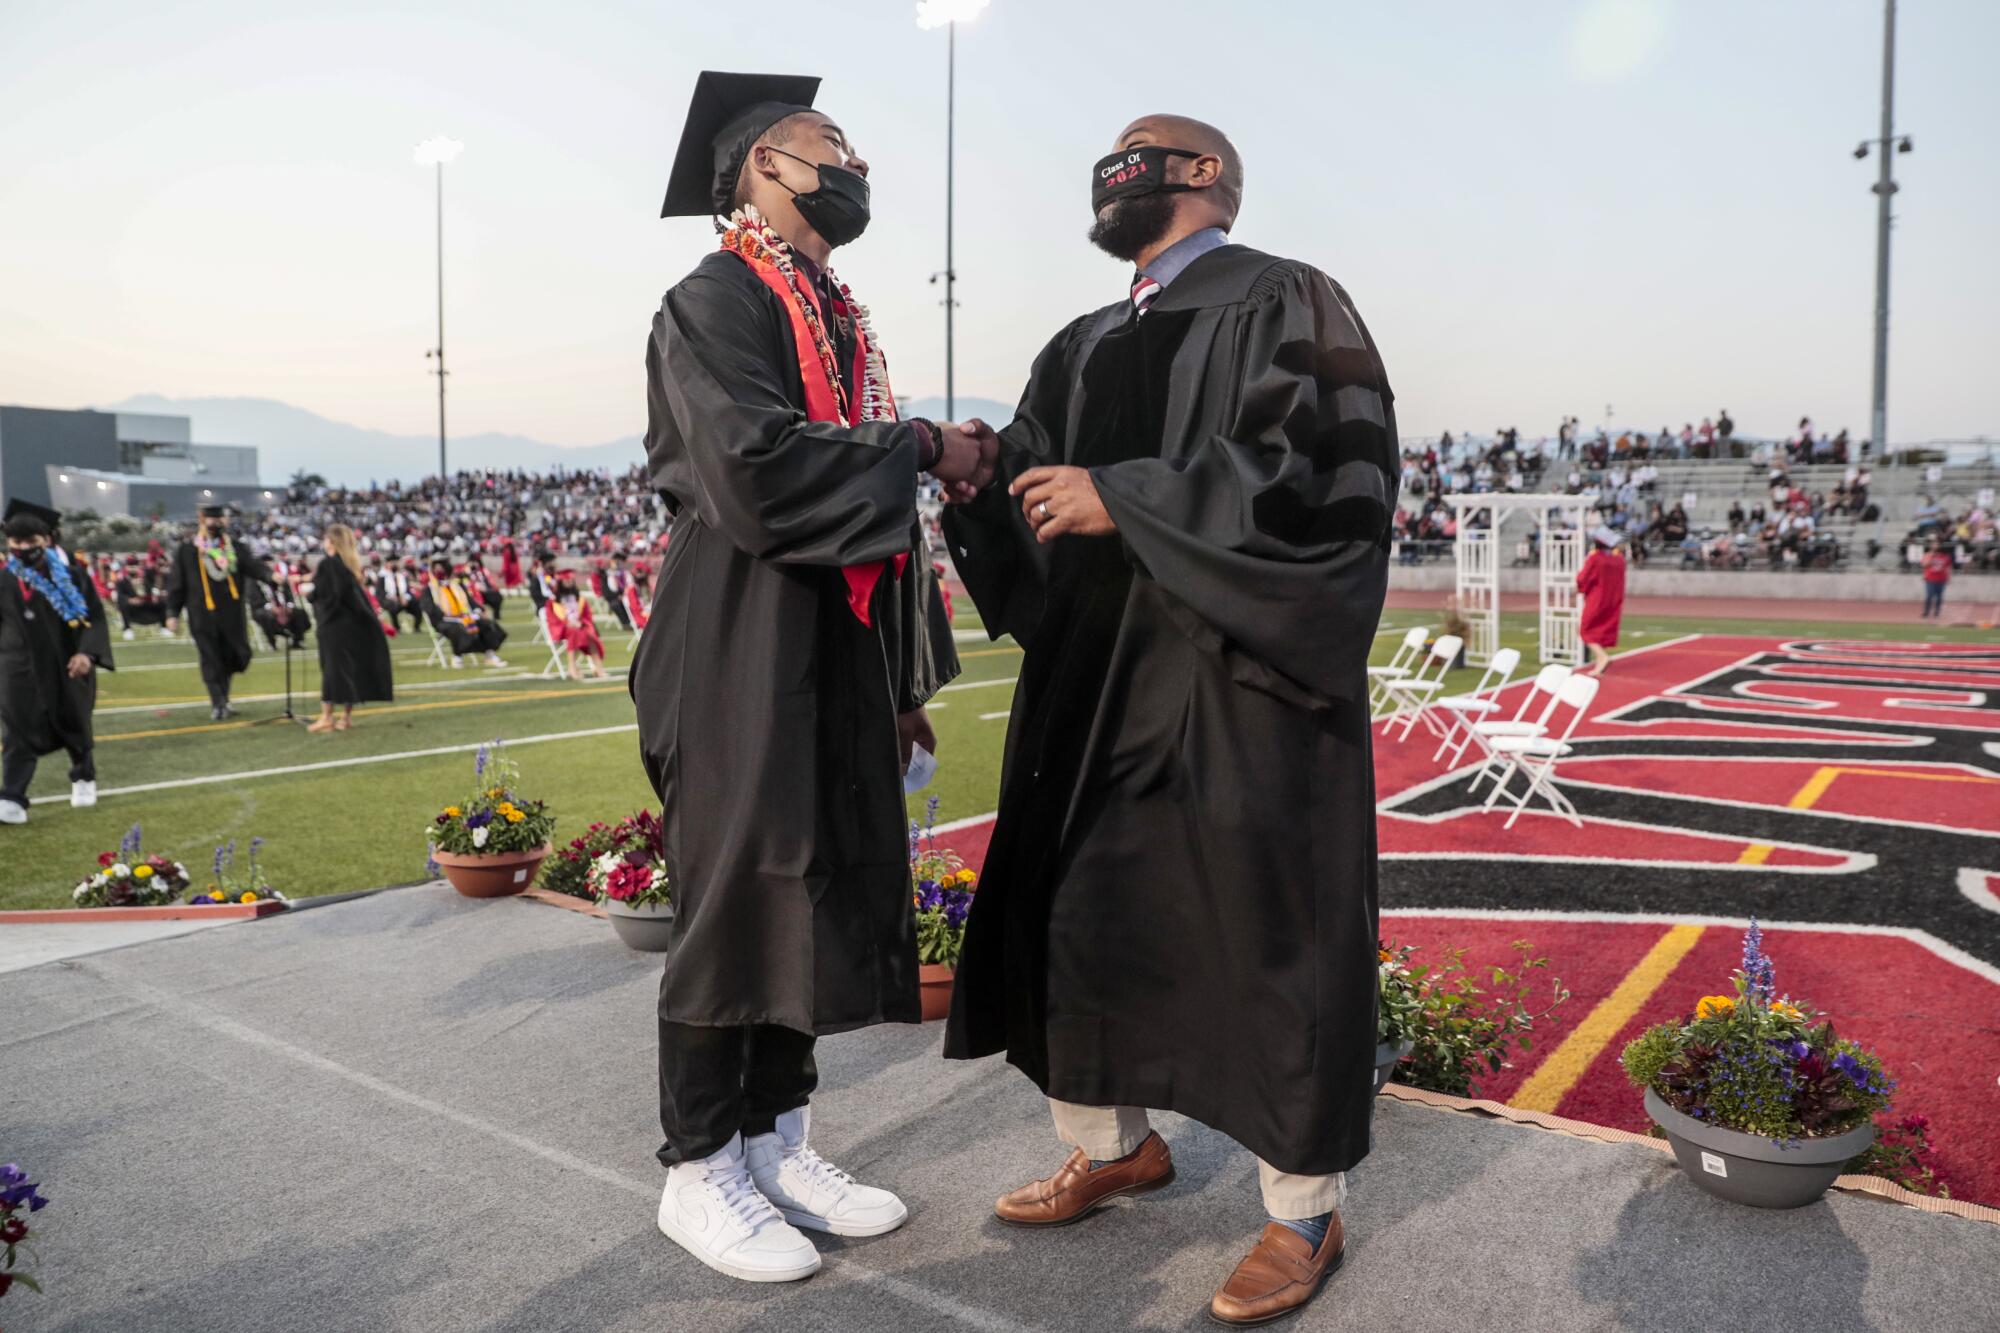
x=787, y=666
x=210, y=582
x=1601, y=580
x=1178, y=907
x=53, y=642
x=353, y=648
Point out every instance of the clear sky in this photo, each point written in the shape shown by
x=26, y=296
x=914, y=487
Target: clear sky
x=1541, y=207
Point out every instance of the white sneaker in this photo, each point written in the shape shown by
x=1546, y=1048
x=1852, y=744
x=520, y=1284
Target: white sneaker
x=13, y=813
x=811, y=1191
x=712, y=1209
x=457, y=662
x=82, y=795
x=129, y=636
x=495, y=660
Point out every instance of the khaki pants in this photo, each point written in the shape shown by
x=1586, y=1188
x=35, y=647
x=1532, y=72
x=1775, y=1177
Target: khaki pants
x=1108, y=1132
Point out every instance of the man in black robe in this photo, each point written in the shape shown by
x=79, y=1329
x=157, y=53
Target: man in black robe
x=210, y=580
x=141, y=600
x=459, y=618
x=53, y=640
x=784, y=679
x=1178, y=906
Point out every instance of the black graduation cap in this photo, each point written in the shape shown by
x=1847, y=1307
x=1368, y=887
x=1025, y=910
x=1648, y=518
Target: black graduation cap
x=728, y=114
x=216, y=510
x=17, y=508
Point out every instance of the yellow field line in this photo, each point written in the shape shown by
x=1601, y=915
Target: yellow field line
x=1566, y=1064
x=1806, y=797
x=507, y=697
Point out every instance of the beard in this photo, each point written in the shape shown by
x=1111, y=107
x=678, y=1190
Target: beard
x=1132, y=224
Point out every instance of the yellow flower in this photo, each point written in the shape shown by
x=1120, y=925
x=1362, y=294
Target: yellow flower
x=1786, y=1009
x=452, y=810
x=515, y=816
x=968, y=876
x=248, y=897
x=1384, y=956
x=142, y=872
x=494, y=791
x=1714, y=1006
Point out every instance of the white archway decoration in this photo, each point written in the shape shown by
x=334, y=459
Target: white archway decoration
x=1561, y=519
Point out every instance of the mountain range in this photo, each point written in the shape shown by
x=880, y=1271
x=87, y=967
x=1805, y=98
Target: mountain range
x=292, y=439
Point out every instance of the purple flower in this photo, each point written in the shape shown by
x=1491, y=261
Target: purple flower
x=479, y=819
x=16, y=1189
x=479, y=763
x=1758, y=970
x=129, y=848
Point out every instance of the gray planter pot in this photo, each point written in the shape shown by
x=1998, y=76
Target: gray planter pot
x=1749, y=1168
x=649, y=929
x=1385, y=1062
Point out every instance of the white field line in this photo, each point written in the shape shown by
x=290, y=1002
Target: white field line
x=937, y=1302
x=988, y=717
x=322, y=765
x=977, y=684
x=461, y=684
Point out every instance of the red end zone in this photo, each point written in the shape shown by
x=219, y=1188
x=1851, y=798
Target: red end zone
x=1848, y=793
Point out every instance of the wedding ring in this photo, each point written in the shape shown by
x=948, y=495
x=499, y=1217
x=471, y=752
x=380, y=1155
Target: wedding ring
x=1043, y=509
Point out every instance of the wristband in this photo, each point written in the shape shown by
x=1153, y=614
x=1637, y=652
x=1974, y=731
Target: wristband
x=930, y=444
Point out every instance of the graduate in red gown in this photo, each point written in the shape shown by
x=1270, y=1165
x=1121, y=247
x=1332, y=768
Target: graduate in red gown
x=1602, y=583
x=572, y=628
x=510, y=565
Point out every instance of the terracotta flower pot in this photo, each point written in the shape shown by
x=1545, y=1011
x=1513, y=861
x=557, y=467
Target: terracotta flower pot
x=1749, y=1168
x=648, y=928
x=934, y=981
x=1386, y=1058
x=490, y=874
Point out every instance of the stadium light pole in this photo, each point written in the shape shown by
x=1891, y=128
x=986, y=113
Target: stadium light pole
x=1885, y=186
x=946, y=14
x=436, y=151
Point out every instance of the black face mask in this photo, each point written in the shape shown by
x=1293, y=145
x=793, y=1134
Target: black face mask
x=31, y=556
x=1133, y=171
x=838, y=209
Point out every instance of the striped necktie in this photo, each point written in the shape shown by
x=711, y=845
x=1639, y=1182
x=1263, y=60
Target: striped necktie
x=1144, y=289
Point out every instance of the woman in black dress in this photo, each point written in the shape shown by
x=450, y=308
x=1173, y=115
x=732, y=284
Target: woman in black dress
x=353, y=650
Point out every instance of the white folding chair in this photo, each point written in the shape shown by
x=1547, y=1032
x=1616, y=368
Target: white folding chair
x=441, y=654
x=1537, y=756
x=556, y=669
x=1415, y=693
x=1530, y=719
x=1398, y=667
x=1462, y=710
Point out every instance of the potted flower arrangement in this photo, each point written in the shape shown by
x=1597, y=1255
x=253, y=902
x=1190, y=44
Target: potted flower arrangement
x=567, y=871
x=1437, y=1027
x=491, y=842
x=253, y=887
x=943, y=886
x=630, y=880
x=130, y=878
x=1762, y=1103
x=17, y=1194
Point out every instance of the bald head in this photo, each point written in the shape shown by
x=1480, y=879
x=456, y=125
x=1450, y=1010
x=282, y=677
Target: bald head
x=1217, y=174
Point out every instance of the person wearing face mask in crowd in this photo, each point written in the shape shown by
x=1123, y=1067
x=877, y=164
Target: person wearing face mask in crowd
x=53, y=641
x=797, y=567
x=1191, y=543
x=210, y=580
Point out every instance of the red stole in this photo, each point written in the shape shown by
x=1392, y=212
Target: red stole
x=823, y=403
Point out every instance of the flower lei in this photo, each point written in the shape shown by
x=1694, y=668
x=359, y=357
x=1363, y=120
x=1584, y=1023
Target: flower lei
x=746, y=233
x=55, y=585
x=225, y=565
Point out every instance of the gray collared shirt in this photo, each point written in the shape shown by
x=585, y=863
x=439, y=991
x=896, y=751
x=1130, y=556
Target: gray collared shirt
x=1170, y=262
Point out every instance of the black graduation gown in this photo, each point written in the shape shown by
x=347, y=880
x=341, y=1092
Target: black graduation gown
x=1178, y=907
x=222, y=634
x=38, y=701
x=353, y=649
x=767, y=710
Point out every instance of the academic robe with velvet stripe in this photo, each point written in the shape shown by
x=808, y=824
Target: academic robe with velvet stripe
x=39, y=702
x=221, y=633
x=1178, y=906
x=767, y=709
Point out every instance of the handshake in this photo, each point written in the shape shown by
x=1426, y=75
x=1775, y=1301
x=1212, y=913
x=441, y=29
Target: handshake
x=971, y=456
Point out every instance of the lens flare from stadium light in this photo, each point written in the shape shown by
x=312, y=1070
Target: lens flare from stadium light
x=437, y=149
x=937, y=13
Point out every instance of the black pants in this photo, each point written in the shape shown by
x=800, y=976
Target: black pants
x=214, y=675
x=482, y=637
x=718, y=1082
x=18, y=762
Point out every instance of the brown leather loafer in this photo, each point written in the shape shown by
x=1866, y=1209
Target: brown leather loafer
x=1076, y=1191
x=1278, y=1277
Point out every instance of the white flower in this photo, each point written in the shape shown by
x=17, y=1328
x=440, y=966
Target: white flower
x=479, y=836
x=121, y=871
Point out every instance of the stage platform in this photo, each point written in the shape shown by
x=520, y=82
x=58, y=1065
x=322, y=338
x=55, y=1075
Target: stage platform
x=414, y=1111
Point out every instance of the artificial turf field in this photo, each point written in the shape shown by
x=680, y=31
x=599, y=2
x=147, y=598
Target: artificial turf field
x=1636, y=911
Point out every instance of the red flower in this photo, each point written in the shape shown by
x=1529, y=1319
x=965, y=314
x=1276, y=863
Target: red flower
x=13, y=1231
x=6, y=1281
x=106, y=858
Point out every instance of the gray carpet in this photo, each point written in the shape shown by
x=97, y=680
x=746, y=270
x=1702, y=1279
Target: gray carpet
x=417, y=1112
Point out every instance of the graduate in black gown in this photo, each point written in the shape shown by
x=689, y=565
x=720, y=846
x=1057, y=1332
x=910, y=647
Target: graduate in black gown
x=353, y=648
x=277, y=608
x=210, y=582
x=53, y=642
x=140, y=597
x=1178, y=907
x=785, y=674
x=458, y=617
